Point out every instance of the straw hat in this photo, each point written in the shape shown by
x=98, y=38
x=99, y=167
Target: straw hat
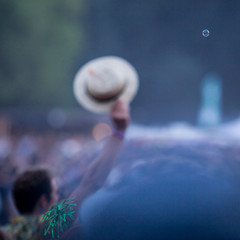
x=101, y=81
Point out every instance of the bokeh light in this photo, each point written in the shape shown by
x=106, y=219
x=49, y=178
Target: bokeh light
x=70, y=148
x=56, y=118
x=101, y=130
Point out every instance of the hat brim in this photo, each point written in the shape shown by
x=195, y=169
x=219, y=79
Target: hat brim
x=120, y=67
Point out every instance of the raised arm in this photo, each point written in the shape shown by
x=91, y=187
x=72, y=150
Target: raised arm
x=98, y=171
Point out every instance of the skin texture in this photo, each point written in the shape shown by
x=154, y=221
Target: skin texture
x=98, y=171
x=100, y=168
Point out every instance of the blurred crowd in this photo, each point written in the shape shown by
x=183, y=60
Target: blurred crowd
x=66, y=155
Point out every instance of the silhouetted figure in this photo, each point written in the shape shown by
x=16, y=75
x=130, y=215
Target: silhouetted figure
x=210, y=111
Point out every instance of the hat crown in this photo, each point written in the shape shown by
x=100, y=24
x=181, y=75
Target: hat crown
x=103, y=83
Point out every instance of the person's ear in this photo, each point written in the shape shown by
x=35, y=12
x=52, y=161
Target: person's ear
x=43, y=203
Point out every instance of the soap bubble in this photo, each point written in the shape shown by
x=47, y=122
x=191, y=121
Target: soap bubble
x=205, y=32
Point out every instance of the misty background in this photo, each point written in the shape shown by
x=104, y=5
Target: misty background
x=44, y=43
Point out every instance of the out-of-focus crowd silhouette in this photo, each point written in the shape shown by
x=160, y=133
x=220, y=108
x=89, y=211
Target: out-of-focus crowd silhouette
x=68, y=155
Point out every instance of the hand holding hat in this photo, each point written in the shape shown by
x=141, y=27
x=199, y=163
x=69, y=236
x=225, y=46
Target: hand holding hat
x=120, y=115
x=103, y=80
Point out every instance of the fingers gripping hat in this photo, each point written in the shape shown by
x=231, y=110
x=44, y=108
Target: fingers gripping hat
x=101, y=81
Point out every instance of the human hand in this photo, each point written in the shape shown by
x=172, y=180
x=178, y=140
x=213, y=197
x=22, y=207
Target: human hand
x=120, y=115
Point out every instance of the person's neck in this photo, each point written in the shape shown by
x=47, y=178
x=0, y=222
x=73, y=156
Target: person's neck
x=36, y=211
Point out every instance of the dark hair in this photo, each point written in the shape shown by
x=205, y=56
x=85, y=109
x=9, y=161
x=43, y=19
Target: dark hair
x=29, y=187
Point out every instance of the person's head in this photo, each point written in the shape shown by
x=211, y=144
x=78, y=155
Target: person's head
x=34, y=191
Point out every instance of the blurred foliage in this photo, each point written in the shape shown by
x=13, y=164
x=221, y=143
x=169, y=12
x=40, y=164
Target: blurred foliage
x=39, y=43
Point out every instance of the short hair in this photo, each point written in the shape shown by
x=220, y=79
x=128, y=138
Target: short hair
x=29, y=186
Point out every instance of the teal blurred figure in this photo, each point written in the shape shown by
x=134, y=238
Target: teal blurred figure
x=210, y=110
